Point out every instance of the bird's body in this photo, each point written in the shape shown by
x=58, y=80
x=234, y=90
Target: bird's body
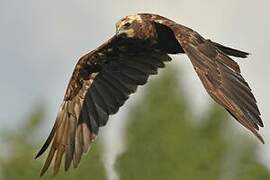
x=104, y=78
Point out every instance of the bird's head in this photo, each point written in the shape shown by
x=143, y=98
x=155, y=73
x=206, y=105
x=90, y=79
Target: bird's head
x=135, y=27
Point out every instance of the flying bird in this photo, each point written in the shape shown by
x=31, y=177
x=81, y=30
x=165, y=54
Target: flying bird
x=104, y=78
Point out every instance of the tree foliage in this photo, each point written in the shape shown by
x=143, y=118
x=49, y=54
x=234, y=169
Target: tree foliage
x=163, y=142
x=20, y=162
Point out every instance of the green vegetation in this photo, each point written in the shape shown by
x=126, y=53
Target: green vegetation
x=20, y=163
x=163, y=142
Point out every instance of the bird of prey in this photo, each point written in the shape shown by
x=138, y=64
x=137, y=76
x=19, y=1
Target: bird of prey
x=104, y=78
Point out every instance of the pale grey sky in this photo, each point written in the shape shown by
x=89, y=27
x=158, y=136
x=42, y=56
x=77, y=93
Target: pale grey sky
x=42, y=40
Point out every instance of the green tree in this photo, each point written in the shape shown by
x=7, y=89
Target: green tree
x=162, y=143
x=19, y=162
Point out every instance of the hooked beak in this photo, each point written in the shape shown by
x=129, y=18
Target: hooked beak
x=120, y=32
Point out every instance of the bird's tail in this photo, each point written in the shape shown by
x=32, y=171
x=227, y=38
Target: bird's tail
x=230, y=51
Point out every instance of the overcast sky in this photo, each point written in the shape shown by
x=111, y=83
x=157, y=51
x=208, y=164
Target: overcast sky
x=40, y=42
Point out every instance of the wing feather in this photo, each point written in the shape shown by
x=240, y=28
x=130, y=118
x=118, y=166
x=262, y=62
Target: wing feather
x=110, y=79
x=221, y=78
x=70, y=148
x=219, y=73
x=100, y=84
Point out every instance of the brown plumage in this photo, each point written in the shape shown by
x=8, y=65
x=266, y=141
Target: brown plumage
x=104, y=78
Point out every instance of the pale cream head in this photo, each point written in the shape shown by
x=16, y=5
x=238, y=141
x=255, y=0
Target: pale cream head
x=128, y=25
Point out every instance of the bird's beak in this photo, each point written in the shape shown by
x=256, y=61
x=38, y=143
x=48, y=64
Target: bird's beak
x=120, y=32
x=117, y=30
x=125, y=33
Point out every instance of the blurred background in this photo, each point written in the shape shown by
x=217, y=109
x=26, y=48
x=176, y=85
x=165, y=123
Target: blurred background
x=169, y=129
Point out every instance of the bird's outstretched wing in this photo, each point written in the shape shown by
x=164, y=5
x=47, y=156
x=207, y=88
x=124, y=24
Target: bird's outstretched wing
x=101, y=82
x=219, y=74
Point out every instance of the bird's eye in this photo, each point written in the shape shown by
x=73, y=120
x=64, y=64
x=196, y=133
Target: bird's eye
x=127, y=24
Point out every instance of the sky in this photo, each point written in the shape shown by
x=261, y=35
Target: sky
x=41, y=42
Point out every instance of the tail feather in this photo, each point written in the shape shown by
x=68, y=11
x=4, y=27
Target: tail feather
x=230, y=51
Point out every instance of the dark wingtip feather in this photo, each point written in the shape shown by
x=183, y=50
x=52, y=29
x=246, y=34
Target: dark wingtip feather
x=49, y=139
x=259, y=121
x=261, y=139
x=42, y=150
x=230, y=51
